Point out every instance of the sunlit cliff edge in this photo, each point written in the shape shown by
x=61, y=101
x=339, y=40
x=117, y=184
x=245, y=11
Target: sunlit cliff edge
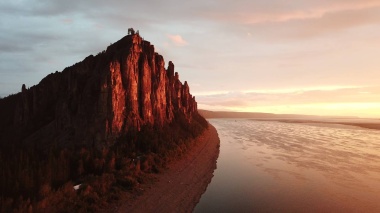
x=104, y=124
x=94, y=101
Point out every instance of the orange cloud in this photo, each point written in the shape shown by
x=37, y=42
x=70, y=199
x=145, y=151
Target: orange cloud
x=177, y=40
x=312, y=11
x=308, y=13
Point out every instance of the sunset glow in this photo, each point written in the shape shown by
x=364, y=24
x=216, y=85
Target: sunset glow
x=191, y=106
x=304, y=57
x=329, y=100
x=368, y=110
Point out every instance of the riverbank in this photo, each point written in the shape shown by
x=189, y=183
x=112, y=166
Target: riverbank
x=179, y=187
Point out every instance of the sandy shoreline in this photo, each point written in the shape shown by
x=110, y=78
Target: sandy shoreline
x=180, y=187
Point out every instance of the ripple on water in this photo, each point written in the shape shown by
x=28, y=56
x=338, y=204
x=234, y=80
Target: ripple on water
x=273, y=166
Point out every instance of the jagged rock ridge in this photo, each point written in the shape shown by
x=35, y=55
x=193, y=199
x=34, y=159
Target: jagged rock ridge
x=95, y=101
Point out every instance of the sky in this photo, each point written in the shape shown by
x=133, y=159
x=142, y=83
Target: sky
x=297, y=57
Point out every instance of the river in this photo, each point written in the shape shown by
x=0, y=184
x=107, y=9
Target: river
x=269, y=166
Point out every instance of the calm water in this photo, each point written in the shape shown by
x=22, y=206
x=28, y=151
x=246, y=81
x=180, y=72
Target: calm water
x=268, y=166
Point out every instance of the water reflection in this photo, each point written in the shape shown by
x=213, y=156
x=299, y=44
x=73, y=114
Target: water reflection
x=271, y=166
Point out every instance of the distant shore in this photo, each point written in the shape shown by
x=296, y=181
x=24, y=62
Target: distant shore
x=180, y=187
x=372, y=125
x=368, y=123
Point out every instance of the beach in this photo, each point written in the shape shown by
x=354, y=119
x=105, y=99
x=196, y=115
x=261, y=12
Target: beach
x=179, y=187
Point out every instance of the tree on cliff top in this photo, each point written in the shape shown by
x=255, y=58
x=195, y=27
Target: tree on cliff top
x=131, y=31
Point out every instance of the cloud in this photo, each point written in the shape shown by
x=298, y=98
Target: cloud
x=67, y=21
x=279, y=20
x=246, y=46
x=354, y=101
x=177, y=40
x=310, y=13
x=254, y=12
x=331, y=94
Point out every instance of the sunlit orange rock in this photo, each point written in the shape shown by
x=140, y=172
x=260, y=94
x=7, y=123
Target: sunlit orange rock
x=96, y=100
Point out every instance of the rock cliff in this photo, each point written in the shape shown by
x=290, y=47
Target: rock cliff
x=95, y=101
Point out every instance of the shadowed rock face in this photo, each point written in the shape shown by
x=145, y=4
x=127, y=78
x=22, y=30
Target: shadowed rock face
x=96, y=100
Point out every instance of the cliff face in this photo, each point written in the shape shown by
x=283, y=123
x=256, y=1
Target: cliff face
x=95, y=101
